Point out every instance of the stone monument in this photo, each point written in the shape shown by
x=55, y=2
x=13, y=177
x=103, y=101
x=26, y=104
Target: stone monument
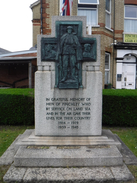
x=68, y=89
x=68, y=101
x=68, y=109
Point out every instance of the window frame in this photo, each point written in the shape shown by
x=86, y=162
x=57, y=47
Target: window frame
x=125, y=11
x=91, y=9
x=89, y=3
x=128, y=18
x=107, y=70
x=91, y=6
x=108, y=13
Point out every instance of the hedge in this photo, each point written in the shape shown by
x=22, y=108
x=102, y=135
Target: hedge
x=16, y=106
x=119, y=107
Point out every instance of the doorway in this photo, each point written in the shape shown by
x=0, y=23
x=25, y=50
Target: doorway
x=129, y=79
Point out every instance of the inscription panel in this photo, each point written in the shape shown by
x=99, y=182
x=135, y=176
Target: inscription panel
x=70, y=112
x=67, y=113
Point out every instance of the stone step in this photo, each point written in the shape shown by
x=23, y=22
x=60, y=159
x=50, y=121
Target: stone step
x=68, y=156
x=67, y=175
x=29, y=138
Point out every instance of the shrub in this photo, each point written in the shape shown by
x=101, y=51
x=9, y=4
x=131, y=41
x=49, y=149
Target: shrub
x=119, y=107
x=16, y=106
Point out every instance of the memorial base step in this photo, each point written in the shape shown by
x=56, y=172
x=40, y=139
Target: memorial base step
x=29, y=138
x=68, y=156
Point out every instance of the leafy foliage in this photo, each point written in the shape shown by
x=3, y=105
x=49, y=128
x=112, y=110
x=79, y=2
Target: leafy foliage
x=119, y=107
x=16, y=106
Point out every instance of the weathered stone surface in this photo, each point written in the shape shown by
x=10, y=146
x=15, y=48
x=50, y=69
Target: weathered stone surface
x=122, y=173
x=69, y=175
x=20, y=139
x=14, y=174
x=63, y=156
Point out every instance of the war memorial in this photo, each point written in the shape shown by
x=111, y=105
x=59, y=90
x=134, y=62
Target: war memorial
x=68, y=143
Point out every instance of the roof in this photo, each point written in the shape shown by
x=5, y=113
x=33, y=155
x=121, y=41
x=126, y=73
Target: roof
x=20, y=53
x=19, y=56
x=3, y=51
x=34, y=4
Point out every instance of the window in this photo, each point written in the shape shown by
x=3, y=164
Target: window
x=107, y=68
x=88, y=1
x=130, y=21
x=91, y=15
x=108, y=14
x=89, y=8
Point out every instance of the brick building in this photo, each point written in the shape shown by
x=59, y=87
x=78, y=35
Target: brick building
x=114, y=20
x=17, y=68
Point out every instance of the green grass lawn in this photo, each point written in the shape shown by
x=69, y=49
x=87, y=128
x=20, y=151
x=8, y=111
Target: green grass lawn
x=129, y=137
x=9, y=133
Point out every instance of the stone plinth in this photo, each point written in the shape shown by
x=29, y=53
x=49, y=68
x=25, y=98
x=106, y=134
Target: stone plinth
x=68, y=112
x=32, y=151
x=28, y=138
x=62, y=110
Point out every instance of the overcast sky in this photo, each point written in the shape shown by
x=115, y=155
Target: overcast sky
x=16, y=24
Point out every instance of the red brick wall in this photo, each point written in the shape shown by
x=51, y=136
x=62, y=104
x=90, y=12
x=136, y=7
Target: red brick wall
x=131, y=2
x=45, y=16
x=12, y=73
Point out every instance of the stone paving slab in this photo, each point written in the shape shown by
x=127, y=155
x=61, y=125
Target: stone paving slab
x=14, y=174
x=121, y=173
x=68, y=175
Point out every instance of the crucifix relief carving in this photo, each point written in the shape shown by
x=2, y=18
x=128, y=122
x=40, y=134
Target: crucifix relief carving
x=68, y=49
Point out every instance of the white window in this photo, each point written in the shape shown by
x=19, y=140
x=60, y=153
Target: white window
x=89, y=8
x=88, y=1
x=107, y=68
x=130, y=22
x=108, y=14
x=91, y=15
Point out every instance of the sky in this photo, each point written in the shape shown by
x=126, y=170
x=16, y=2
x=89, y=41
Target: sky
x=16, y=24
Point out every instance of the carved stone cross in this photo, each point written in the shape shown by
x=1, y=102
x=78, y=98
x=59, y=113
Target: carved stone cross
x=68, y=49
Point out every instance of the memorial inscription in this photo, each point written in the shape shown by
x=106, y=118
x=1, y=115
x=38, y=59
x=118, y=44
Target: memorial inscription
x=68, y=112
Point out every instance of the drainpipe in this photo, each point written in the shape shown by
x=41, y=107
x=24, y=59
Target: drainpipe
x=41, y=11
x=59, y=7
x=113, y=46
